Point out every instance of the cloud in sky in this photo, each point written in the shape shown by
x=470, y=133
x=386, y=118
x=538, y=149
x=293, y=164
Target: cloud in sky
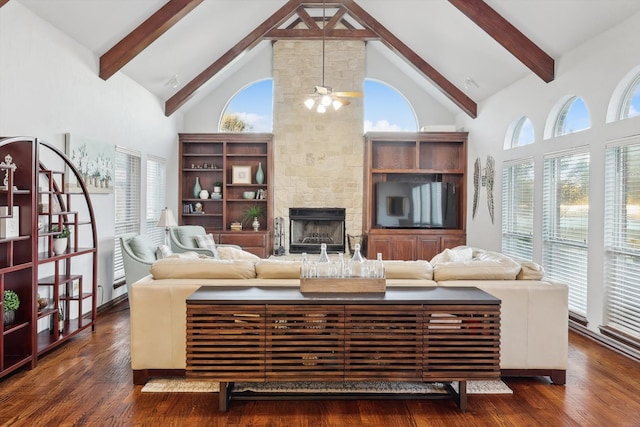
x=381, y=125
x=259, y=123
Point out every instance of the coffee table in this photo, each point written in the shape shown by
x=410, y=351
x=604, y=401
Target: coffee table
x=254, y=334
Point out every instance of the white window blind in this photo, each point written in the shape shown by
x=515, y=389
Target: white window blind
x=156, y=197
x=517, y=209
x=622, y=238
x=565, y=228
x=127, y=201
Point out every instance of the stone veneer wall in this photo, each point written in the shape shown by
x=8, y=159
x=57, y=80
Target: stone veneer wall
x=318, y=158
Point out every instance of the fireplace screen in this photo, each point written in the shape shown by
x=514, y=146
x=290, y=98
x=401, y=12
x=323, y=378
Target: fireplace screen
x=310, y=227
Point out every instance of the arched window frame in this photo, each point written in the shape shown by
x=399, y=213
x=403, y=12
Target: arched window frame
x=239, y=91
x=401, y=95
x=514, y=134
x=558, y=115
x=632, y=92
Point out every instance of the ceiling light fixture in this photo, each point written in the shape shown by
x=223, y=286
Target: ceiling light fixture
x=470, y=83
x=324, y=96
x=173, y=81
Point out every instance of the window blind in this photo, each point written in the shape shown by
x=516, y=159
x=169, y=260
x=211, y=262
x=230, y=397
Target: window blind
x=156, y=198
x=565, y=228
x=127, y=202
x=622, y=238
x=517, y=209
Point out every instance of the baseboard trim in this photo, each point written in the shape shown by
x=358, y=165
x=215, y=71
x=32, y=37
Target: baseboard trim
x=608, y=342
x=110, y=304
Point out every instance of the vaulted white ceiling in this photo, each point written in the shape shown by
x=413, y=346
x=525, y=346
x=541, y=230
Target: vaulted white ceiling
x=435, y=30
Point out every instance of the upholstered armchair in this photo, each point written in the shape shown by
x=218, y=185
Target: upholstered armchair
x=183, y=239
x=138, y=253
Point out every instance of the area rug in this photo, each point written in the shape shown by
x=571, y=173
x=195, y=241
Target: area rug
x=180, y=385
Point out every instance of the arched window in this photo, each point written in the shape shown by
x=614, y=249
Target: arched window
x=522, y=133
x=386, y=109
x=630, y=105
x=250, y=109
x=573, y=117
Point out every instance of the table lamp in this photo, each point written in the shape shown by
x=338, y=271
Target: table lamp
x=166, y=220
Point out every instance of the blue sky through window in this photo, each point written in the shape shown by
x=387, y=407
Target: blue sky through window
x=385, y=109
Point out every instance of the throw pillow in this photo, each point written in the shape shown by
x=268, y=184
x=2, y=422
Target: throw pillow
x=206, y=241
x=163, y=251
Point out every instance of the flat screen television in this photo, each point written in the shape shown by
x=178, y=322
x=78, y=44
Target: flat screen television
x=416, y=205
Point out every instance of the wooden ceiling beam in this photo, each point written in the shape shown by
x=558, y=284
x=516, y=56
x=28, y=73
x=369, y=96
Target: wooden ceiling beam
x=508, y=36
x=244, y=45
x=3, y=2
x=145, y=34
x=337, y=34
x=458, y=97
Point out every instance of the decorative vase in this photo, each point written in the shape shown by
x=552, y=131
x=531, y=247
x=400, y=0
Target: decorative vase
x=197, y=188
x=60, y=245
x=255, y=224
x=9, y=317
x=204, y=194
x=260, y=174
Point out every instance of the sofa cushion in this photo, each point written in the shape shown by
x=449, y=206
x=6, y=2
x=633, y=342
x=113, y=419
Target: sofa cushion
x=201, y=268
x=230, y=252
x=277, y=269
x=408, y=270
x=142, y=248
x=205, y=241
x=484, y=265
x=530, y=271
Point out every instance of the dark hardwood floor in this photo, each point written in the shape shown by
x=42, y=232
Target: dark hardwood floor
x=88, y=382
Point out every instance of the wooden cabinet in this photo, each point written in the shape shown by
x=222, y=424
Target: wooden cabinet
x=232, y=159
x=280, y=334
x=66, y=281
x=258, y=243
x=419, y=159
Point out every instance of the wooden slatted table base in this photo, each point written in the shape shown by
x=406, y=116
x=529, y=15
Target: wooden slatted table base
x=265, y=335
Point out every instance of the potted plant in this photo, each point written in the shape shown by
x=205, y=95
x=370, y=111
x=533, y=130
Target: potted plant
x=217, y=187
x=11, y=304
x=253, y=213
x=60, y=239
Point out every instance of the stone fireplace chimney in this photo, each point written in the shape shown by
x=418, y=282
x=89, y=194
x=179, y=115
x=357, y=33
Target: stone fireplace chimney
x=318, y=158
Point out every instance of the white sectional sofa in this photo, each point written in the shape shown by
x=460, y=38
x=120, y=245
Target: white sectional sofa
x=534, y=311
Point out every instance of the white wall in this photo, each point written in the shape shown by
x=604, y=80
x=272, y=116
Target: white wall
x=49, y=86
x=590, y=71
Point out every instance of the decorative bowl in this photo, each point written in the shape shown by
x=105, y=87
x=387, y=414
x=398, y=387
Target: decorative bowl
x=249, y=194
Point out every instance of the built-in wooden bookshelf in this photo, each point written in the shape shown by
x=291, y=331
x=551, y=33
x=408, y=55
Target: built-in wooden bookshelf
x=421, y=157
x=214, y=158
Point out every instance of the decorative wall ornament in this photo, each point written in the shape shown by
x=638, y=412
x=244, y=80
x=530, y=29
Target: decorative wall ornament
x=490, y=176
x=476, y=186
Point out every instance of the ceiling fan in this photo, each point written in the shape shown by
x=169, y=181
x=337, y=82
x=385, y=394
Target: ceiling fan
x=323, y=96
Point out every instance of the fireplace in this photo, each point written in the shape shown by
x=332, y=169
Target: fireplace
x=310, y=227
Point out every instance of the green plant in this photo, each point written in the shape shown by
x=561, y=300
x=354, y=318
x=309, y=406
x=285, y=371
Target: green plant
x=66, y=232
x=217, y=184
x=254, y=211
x=11, y=300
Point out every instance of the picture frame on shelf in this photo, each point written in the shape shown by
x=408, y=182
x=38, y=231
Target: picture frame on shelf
x=241, y=174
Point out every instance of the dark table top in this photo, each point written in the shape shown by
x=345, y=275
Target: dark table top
x=292, y=295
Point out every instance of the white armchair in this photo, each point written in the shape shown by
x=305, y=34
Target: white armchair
x=183, y=239
x=138, y=253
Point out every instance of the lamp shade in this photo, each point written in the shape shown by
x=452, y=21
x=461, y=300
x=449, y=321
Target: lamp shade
x=166, y=219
